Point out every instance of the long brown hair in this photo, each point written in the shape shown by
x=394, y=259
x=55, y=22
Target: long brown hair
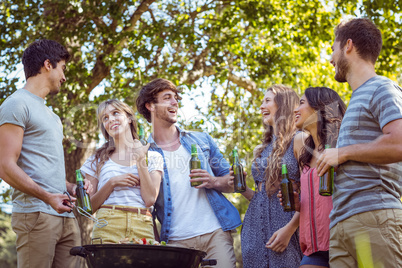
x=330, y=111
x=286, y=100
x=106, y=150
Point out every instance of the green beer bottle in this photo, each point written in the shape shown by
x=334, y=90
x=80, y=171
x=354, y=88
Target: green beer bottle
x=141, y=134
x=82, y=197
x=195, y=163
x=287, y=191
x=327, y=181
x=239, y=181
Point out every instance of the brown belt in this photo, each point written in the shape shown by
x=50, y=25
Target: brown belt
x=142, y=211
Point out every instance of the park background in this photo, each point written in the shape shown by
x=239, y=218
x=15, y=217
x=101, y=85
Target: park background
x=222, y=54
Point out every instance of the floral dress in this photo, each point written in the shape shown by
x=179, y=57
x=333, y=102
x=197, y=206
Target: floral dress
x=265, y=216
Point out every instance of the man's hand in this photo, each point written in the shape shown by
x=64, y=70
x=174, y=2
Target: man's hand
x=208, y=181
x=329, y=158
x=61, y=203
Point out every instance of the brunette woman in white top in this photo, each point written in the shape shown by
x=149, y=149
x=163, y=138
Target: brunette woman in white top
x=126, y=185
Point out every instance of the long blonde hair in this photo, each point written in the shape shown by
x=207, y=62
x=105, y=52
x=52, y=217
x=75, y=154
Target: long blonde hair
x=106, y=150
x=286, y=100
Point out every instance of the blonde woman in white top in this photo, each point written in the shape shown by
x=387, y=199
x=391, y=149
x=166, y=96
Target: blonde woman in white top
x=126, y=186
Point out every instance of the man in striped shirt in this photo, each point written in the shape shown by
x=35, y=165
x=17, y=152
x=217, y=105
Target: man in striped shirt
x=366, y=220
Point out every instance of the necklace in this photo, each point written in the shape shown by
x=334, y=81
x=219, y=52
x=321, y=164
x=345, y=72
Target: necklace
x=170, y=144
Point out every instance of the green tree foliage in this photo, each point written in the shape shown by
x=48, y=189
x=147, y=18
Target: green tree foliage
x=226, y=51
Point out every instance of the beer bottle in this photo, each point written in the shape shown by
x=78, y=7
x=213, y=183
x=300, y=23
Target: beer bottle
x=195, y=163
x=327, y=181
x=82, y=197
x=287, y=191
x=141, y=134
x=239, y=182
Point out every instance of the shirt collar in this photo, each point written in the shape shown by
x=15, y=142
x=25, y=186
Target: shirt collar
x=181, y=133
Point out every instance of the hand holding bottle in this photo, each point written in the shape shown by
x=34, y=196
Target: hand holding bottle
x=295, y=198
x=83, y=199
x=238, y=173
x=139, y=151
x=202, y=179
x=232, y=178
x=329, y=158
x=87, y=186
x=195, y=166
x=327, y=180
x=287, y=191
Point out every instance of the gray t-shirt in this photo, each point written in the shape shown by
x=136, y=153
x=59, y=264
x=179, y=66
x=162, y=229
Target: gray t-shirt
x=42, y=156
x=362, y=187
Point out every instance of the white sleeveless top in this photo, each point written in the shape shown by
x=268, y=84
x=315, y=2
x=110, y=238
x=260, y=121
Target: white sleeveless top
x=124, y=196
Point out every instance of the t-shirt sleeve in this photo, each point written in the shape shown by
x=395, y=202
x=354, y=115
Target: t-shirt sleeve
x=155, y=161
x=15, y=112
x=89, y=168
x=386, y=104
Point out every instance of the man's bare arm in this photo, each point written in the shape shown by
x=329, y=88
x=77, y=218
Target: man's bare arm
x=386, y=149
x=11, y=137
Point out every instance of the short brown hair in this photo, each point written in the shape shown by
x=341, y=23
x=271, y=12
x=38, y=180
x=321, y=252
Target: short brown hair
x=365, y=36
x=38, y=52
x=148, y=94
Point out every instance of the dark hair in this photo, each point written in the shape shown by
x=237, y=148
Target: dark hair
x=38, y=52
x=365, y=35
x=330, y=111
x=148, y=94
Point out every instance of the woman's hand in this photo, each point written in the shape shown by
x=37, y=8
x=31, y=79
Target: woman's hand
x=295, y=198
x=279, y=240
x=139, y=151
x=125, y=180
x=231, y=173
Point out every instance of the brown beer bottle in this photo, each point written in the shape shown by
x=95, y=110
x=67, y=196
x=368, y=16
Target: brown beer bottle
x=327, y=181
x=287, y=191
x=195, y=163
x=83, y=199
x=239, y=181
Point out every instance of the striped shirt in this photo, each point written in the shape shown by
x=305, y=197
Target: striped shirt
x=362, y=187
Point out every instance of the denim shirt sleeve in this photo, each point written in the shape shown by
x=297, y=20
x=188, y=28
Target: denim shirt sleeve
x=217, y=162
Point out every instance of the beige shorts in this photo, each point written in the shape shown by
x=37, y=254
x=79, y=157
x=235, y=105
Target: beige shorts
x=369, y=239
x=122, y=224
x=218, y=245
x=45, y=240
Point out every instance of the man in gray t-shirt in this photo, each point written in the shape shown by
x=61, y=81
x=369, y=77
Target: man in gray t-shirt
x=366, y=220
x=32, y=162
